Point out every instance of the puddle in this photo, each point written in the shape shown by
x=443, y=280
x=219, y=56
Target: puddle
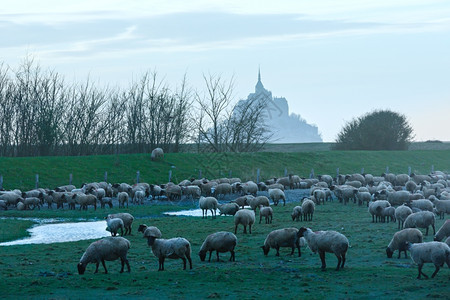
x=63, y=232
x=190, y=213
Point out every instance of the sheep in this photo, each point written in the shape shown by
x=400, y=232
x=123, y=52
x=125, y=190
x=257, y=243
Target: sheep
x=191, y=191
x=123, y=198
x=257, y=201
x=443, y=231
x=127, y=221
x=32, y=201
x=228, y=209
x=3, y=205
x=240, y=201
x=401, y=179
x=244, y=217
x=275, y=195
x=308, y=207
x=376, y=208
x=356, y=177
x=326, y=178
x=389, y=214
x=114, y=224
x=85, y=200
x=173, y=248
x=401, y=213
x=222, y=189
x=363, y=197
x=297, y=213
x=285, y=237
x=266, y=212
x=286, y=182
x=436, y=252
x=418, y=179
x=398, y=197
x=208, y=203
x=355, y=183
x=65, y=188
x=221, y=241
x=155, y=190
x=11, y=198
x=106, y=200
x=157, y=154
x=326, y=241
x=172, y=191
x=447, y=241
x=320, y=194
x=249, y=188
x=390, y=177
x=109, y=248
x=442, y=206
x=398, y=242
x=422, y=204
x=421, y=219
x=139, y=197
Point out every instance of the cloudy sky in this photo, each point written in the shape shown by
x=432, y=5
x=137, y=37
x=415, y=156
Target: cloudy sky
x=332, y=60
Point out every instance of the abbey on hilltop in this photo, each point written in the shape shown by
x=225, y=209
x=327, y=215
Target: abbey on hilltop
x=286, y=128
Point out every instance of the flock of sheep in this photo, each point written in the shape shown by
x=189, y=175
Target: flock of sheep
x=413, y=201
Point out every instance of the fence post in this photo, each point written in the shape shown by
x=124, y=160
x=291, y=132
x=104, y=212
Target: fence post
x=230, y=174
x=1, y=182
x=137, y=176
x=37, y=181
x=387, y=169
x=106, y=176
x=409, y=170
x=311, y=175
x=70, y=178
x=170, y=175
x=285, y=172
x=432, y=169
x=257, y=175
x=200, y=174
x=362, y=170
x=337, y=172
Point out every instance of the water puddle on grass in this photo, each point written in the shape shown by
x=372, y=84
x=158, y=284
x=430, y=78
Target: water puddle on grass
x=189, y=213
x=63, y=232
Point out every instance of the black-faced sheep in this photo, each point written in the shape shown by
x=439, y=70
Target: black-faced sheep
x=220, y=242
x=421, y=219
x=376, y=209
x=109, y=248
x=245, y=217
x=400, y=238
x=285, y=237
x=437, y=253
x=326, y=241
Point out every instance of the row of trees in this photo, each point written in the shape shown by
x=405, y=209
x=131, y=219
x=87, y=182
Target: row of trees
x=41, y=114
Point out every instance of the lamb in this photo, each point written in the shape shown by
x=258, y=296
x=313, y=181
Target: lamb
x=228, y=209
x=442, y=206
x=443, y=231
x=208, y=203
x=437, y=253
x=401, y=213
x=241, y=201
x=267, y=213
x=308, y=207
x=388, y=213
x=157, y=154
x=109, y=248
x=326, y=241
x=123, y=197
x=245, y=217
x=297, y=213
x=257, y=201
x=285, y=237
x=421, y=219
x=275, y=195
x=168, y=248
x=221, y=241
x=114, y=224
x=400, y=238
x=376, y=208
x=127, y=220
x=106, y=200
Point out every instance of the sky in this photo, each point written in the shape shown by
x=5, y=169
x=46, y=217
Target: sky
x=332, y=60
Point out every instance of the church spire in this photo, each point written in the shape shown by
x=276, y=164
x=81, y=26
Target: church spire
x=259, y=73
x=259, y=86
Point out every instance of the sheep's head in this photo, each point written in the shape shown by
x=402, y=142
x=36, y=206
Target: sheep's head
x=389, y=252
x=301, y=232
x=151, y=234
x=142, y=228
x=202, y=254
x=265, y=249
x=81, y=268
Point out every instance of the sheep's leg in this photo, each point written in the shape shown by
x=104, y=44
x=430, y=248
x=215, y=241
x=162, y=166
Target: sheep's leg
x=260, y=218
x=235, y=229
x=343, y=260
x=278, y=251
x=188, y=255
x=245, y=228
x=322, y=258
x=121, y=231
x=339, y=261
x=104, y=266
x=184, y=263
x=210, y=253
x=434, y=230
x=435, y=272
x=250, y=228
x=161, y=263
x=426, y=233
x=420, y=271
x=123, y=264
x=299, y=251
x=232, y=255
x=96, y=267
x=217, y=253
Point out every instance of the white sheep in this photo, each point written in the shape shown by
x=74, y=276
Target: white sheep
x=228, y=209
x=114, y=224
x=123, y=198
x=421, y=219
x=443, y=231
x=11, y=198
x=398, y=242
x=267, y=213
x=397, y=197
x=245, y=217
x=276, y=195
x=109, y=248
x=401, y=213
x=422, y=204
x=220, y=242
x=255, y=202
x=32, y=202
x=173, y=248
x=308, y=207
x=320, y=195
x=285, y=237
x=442, y=206
x=437, y=253
x=326, y=241
x=363, y=197
x=157, y=154
x=3, y=205
x=241, y=201
x=376, y=209
x=191, y=191
x=139, y=197
x=389, y=214
x=297, y=213
x=208, y=203
x=127, y=220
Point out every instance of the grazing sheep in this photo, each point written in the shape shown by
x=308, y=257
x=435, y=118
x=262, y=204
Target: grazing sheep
x=155, y=191
x=297, y=213
x=308, y=207
x=267, y=213
x=127, y=220
x=285, y=237
x=400, y=238
x=85, y=200
x=172, y=191
x=208, y=203
x=157, y=154
x=319, y=195
x=442, y=206
x=401, y=213
x=109, y=248
x=139, y=197
x=114, y=224
x=228, y=209
x=221, y=241
x=245, y=217
x=376, y=208
x=421, y=219
x=241, y=201
x=326, y=241
x=249, y=188
x=437, y=253
x=257, y=201
x=418, y=179
x=173, y=248
x=123, y=198
x=276, y=195
x=443, y=231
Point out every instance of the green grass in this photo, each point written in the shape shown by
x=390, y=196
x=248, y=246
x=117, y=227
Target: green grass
x=53, y=171
x=49, y=271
